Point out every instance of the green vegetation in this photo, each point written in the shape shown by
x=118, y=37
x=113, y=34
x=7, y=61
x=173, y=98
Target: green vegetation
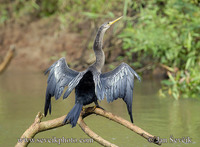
x=167, y=33
x=158, y=33
x=67, y=11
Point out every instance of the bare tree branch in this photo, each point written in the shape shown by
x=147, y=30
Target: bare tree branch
x=93, y=135
x=7, y=59
x=39, y=126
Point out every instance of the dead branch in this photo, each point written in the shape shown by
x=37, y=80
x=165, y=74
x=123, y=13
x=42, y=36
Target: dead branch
x=147, y=67
x=39, y=126
x=7, y=59
x=93, y=135
x=167, y=67
x=127, y=124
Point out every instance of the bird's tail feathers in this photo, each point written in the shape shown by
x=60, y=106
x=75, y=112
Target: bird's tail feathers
x=47, y=105
x=73, y=115
x=129, y=108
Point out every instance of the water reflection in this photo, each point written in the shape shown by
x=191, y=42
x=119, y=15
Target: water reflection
x=22, y=96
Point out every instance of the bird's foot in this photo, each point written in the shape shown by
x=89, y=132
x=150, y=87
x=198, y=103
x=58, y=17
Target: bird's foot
x=90, y=109
x=94, y=107
x=83, y=109
x=97, y=106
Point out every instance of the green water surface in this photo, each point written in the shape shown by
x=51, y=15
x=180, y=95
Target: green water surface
x=22, y=96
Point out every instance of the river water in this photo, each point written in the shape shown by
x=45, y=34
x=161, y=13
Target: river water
x=22, y=97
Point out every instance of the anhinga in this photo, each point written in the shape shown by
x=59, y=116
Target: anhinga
x=90, y=85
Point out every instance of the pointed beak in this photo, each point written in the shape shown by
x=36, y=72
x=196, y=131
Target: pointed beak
x=112, y=22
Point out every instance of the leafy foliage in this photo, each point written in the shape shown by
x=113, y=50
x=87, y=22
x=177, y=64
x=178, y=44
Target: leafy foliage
x=167, y=32
x=65, y=10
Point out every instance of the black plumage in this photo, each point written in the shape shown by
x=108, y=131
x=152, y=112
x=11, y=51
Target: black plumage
x=90, y=85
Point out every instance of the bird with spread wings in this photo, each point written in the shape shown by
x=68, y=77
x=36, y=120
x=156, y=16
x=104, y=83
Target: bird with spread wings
x=90, y=85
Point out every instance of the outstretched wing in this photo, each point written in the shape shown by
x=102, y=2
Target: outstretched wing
x=116, y=84
x=60, y=76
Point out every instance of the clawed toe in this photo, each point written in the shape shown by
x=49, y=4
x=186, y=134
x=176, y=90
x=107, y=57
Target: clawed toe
x=97, y=106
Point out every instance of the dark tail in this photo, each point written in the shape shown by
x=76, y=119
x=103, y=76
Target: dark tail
x=47, y=105
x=129, y=108
x=73, y=115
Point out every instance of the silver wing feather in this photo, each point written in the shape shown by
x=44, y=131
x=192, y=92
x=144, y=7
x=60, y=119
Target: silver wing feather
x=60, y=76
x=116, y=84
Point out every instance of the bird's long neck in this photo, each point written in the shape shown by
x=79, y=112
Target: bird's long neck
x=97, y=47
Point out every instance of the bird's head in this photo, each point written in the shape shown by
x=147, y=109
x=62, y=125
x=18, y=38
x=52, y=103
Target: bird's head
x=106, y=25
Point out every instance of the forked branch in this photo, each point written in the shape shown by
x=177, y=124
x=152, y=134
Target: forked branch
x=39, y=126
